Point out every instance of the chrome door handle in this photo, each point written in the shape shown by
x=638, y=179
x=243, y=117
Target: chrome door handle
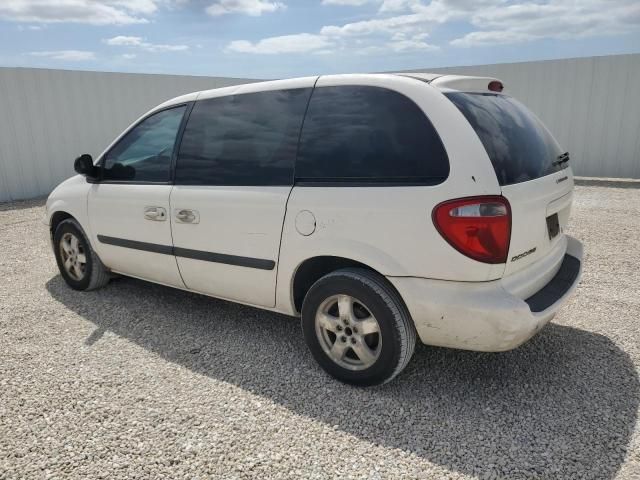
x=157, y=214
x=185, y=215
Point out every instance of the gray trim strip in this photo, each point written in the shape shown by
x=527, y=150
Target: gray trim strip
x=236, y=260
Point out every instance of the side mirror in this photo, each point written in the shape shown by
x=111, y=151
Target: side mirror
x=84, y=166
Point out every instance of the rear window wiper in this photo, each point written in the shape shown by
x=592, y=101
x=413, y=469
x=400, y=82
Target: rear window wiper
x=564, y=158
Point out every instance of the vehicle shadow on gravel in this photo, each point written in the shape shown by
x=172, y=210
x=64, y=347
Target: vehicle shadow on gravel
x=563, y=404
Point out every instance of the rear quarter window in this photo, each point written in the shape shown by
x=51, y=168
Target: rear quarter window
x=363, y=134
x=519, y=145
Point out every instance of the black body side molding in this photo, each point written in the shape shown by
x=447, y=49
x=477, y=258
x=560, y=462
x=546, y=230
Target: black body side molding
x=239, y=261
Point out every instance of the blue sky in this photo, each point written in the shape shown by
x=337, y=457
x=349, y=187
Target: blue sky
x=283, y=38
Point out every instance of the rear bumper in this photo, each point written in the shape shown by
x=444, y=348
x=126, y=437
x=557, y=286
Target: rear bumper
x=488, y=316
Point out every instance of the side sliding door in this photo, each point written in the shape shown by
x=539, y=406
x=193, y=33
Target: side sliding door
x=233, y=177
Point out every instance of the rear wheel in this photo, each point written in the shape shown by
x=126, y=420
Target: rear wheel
x=78, y=264
x=357, y=327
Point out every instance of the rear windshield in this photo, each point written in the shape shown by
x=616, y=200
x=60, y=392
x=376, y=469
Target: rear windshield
x=518, y=144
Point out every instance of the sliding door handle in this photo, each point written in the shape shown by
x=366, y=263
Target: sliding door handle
x=185, y=215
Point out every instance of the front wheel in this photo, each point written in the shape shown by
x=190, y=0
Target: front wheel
x=79, y=265
x=357, y=327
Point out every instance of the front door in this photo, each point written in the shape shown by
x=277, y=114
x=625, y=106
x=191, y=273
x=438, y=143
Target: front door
x=129, y=208
x=233, y=177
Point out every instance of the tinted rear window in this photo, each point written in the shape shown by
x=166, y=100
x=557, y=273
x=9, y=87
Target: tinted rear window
x=361, y=134
x=519, y=145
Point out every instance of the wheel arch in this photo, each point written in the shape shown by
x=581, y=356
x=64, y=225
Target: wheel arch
x=57, y=218
x=312, y=269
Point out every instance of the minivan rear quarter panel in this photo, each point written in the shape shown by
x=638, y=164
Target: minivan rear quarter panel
x=392, y=224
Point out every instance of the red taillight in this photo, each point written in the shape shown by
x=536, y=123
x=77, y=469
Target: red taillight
x=478, y=227
x=495, y=86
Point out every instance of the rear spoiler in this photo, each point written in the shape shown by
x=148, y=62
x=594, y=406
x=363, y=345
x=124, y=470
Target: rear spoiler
x=459, y=82
x=468, y=84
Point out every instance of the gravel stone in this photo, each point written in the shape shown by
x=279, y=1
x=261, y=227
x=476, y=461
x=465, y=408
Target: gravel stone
x=137, y=380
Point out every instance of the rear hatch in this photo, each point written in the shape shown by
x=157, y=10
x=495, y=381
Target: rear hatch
x=532, y=169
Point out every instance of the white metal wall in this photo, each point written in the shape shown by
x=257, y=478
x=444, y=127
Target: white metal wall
x=48, y=117
x=591, y=105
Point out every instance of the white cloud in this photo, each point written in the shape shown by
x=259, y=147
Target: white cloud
x=500, y=21
x=140, y=6
x=141, y=43
x=398, y=5
x=300, y=43
x=155, y=47
x=475, y=39
x=122, y=40
x=403, y=34
x=255, y=8
x=386, y=5
x=324, y=45
x=354, y=3
x=376, y=25
x=403, y=25
x=412, y=16
x=94, y=12
x=557, y=19
x=400, y=43
x=66, y=55
x=129, y=56
x=33, y=28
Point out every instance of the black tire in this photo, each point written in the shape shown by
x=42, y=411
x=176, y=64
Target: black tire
x=396, y=329
x=95, y=275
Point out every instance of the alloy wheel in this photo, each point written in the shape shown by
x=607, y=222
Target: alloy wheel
x=74, y=258
x=348, y=332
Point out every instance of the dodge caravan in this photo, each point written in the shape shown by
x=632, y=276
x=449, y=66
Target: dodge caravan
x=377, y=208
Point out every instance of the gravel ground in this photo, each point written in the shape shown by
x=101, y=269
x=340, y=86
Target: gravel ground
x=141, y=381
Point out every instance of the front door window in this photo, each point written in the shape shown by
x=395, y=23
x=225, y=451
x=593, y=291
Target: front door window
x=144, y=153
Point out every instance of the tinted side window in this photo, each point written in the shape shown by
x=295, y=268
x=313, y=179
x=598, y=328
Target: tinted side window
x=369, y=134
x=144, y=154
x=519, y=145
x=248, y=139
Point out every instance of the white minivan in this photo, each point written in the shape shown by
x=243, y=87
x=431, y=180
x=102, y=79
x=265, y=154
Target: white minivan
x=375, y=207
